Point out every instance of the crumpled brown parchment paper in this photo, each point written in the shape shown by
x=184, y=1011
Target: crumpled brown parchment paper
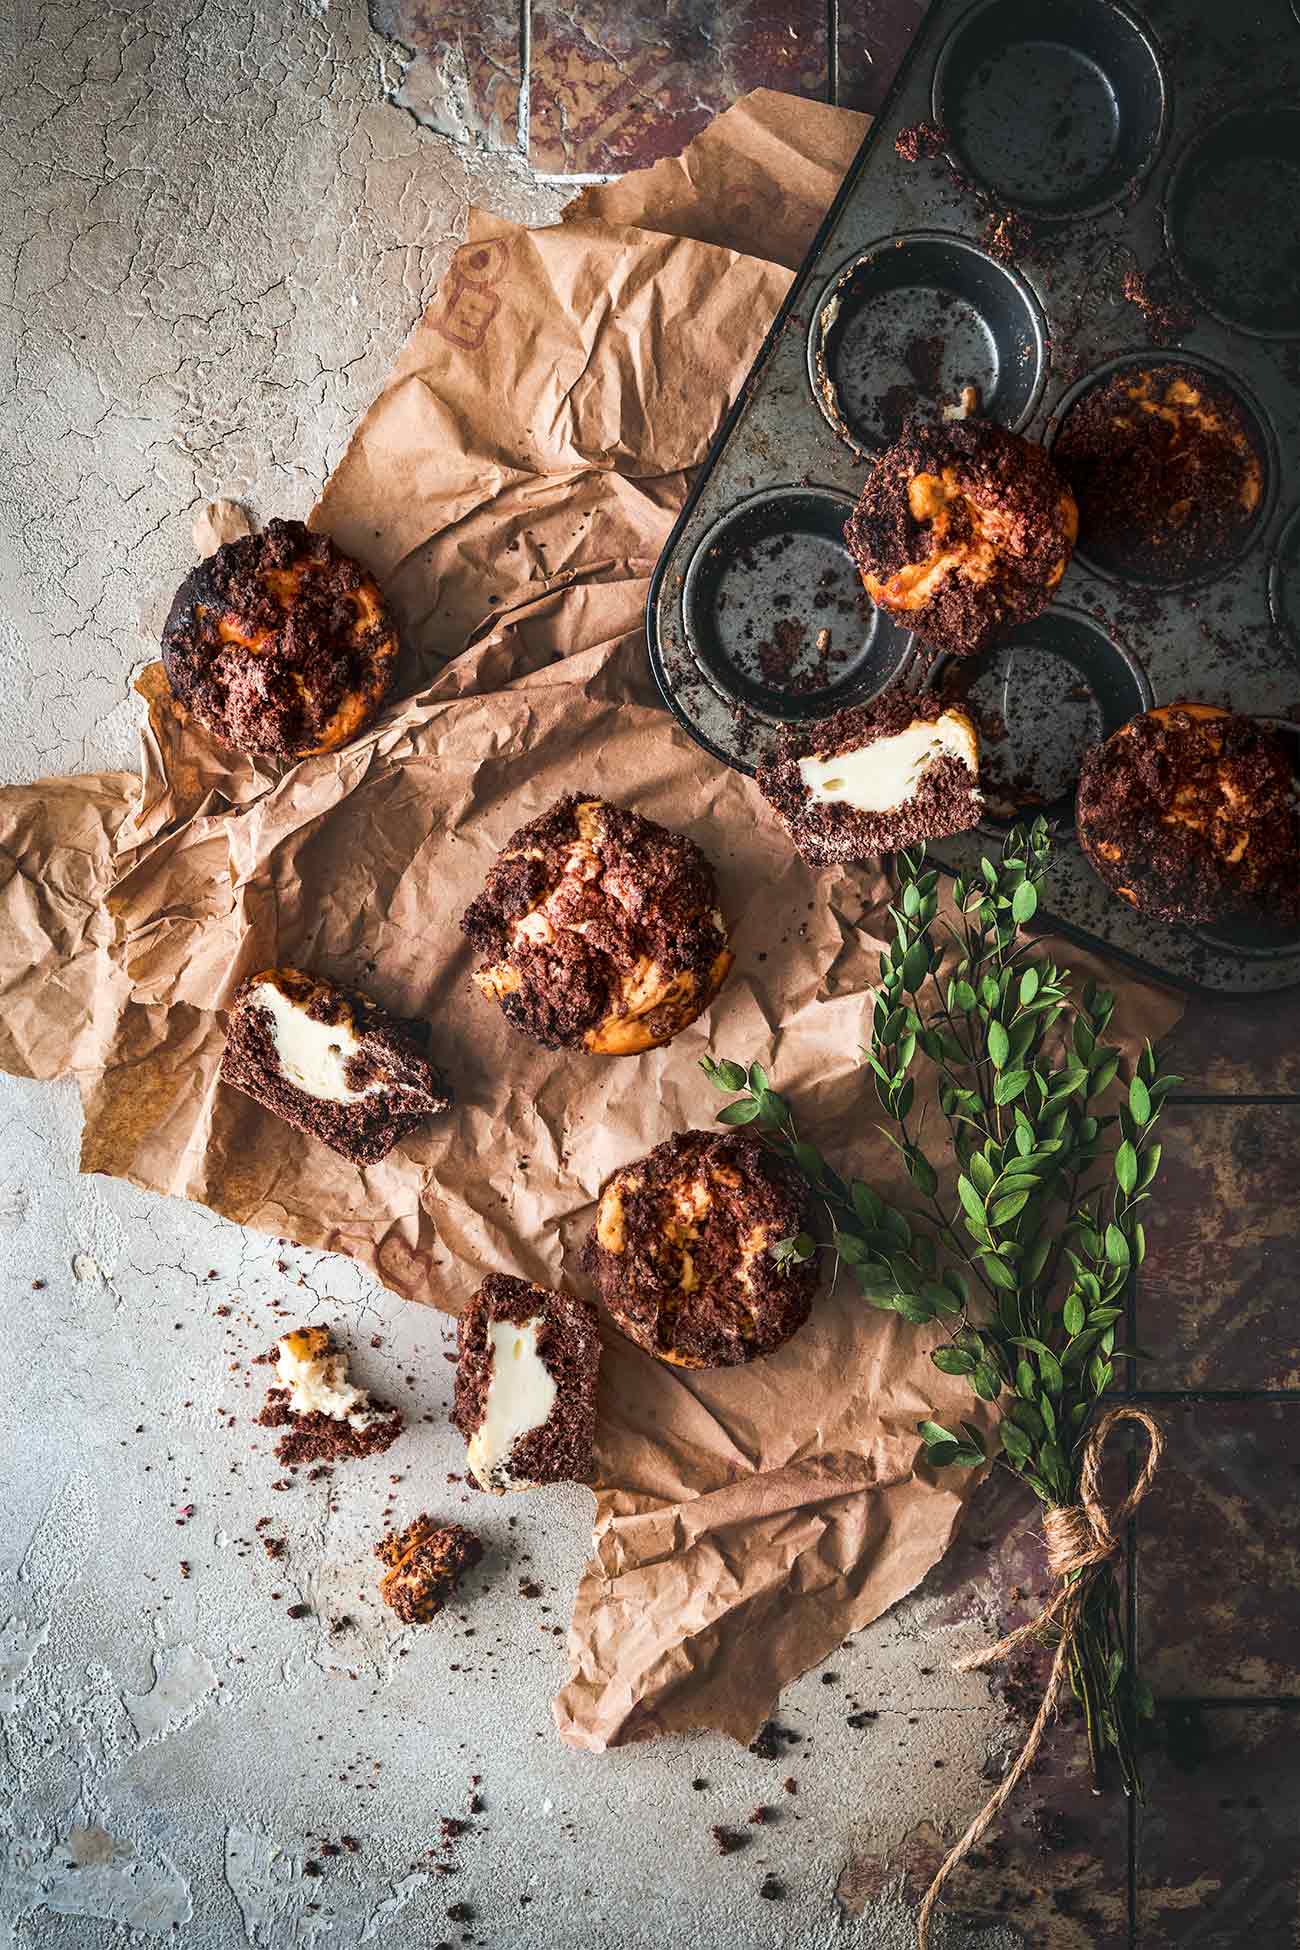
x=512, y=486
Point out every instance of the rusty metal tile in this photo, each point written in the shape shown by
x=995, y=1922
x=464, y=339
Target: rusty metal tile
x=1248, y=1046
x=1219, y=1553
x=874, y=35
x=1217, y=1296
x=459, y=65
x=616, y=86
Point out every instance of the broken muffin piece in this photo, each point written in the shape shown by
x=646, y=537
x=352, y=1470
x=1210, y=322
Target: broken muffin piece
x=426, y=1562
x=328, y=1418
x=1190, y=812
x=962, y=531
x=600, y=930
x=526, y=1385
x=682, y=1250
x=874, y=778
x=330, y=1062
x=280, y=643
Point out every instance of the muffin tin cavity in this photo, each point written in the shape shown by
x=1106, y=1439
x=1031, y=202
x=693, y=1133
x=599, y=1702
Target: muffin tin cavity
x=1056, y=686
x=1231, y=218
x=1261, y=940
x=776, y=614
x=1055, y=109
x=912, y=322
x=1284, y=583
x=1138, y=562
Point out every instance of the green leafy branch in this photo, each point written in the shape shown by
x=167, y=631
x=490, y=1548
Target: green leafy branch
x=1025, y=1264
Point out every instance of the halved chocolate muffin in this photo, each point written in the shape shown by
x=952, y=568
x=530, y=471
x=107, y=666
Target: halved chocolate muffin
x=330, y=1062
x=962, y=531
x=280, y=643
x=875, y=778
x=526, y=1380
x=600, y=930
x=1191, y=813
x=681, y=1250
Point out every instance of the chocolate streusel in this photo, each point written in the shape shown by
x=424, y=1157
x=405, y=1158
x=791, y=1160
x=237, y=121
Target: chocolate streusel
x=1165, y=471
x=426, y=1562
x=330, y=1062
x=681, y=1250
x=280, y=643
x=509, y=1331
x=1191, y=813
x=962, y=530
x=929, y=782
x=600, y=930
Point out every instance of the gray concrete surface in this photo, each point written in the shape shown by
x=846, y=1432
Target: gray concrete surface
x=216, y=230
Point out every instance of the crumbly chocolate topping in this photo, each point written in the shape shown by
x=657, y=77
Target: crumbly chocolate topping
x=599, y=930
x=1165, y=471
x=390, y=1049
x=1194, y=817
x=426, y=1563
x=326, y=1438
x=568, y=1345
x=681, y=1250
x=963, y=530
x=947, y=799
x=280, y=643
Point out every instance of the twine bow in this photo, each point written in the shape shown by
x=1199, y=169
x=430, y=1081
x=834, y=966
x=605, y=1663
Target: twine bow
x=1081, y=1538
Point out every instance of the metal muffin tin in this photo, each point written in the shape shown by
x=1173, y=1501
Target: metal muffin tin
x=1166, y=144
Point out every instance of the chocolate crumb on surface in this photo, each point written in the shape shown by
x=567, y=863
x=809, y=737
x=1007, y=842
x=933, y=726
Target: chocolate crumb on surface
x=728, y=1840
x=1191, y=813
x=426, y=1562
x=941, y=797
x=280, y=643
x=311, y=1369
x=962, y=531
x=921, y=142
x=772, y=1889
x=1165, y=470
x=681, y=1250
x=600, y=930
x=384, y=1084
x=566, y=1341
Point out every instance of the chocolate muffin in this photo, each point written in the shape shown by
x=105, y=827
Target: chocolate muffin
x=681, y=1250
x=1190, y=813
x=330, y=1062
x=327, y=1418
x=280, y=643
x=426, y=1562
x=526, y=1385
x=600, y=930
x=874, y=778
x=962, y=531
x=1166, y=473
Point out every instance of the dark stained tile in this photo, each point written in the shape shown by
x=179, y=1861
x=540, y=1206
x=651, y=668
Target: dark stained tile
x=1219, y=1837
x=463, y=65
x=1248, y=1047
x=1217, y=1295
x=874, y=35
x=1218, y=1587
x=616, y=84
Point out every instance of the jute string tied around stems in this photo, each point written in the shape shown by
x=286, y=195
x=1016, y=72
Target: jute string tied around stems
x=1081, y=1538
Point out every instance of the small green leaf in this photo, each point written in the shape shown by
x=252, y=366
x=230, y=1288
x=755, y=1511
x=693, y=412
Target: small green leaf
x=942, y=1453
x=986, y=1382
x=744, y=1111
x=1008, y=1208
x=866, y=1203
x=999, y=1045
x=966, y=1454
x=932, y=1432
x=1126, y=1167
x=1009, y=1086
x=953, y=1360
x=970, y=1198
x=1117, y=1249
x=1150, y=1166
x=1016, y=1442
x=916, y=964
x=1024, y=902
x=1139, y=1101
x=1073, y=1314
x=757, y=1077
x=999, y=1272
x=1028, y=986
x=963, y=996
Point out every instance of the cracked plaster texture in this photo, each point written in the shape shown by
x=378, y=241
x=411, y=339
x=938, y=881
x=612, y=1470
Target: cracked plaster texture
x=216, y=229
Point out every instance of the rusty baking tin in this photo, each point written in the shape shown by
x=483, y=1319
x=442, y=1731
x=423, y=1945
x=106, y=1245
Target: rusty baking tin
x=1163, y=143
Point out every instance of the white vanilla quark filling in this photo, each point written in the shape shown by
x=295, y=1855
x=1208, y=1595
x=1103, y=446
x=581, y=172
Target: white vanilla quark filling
x=520, y=1398
x=313, y=1055
x=318, y=1384
x=878, y=778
